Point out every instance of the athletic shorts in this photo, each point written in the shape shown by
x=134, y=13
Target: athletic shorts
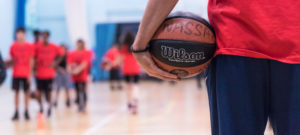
x=20, y=83
x=132, y=78
x=44, y=85
x=114, y=74
x=80, y=86
x=62, y=80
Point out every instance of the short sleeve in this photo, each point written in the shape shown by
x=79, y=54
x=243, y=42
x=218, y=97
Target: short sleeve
x=59, y=51
x=69, y=58
x=11, y=52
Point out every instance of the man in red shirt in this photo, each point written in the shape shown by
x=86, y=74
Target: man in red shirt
x=255, y=74
x=78, y=65
x=47, y=56
x=22, y=54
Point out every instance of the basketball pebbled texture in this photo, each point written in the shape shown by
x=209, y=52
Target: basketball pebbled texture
x=183, y=45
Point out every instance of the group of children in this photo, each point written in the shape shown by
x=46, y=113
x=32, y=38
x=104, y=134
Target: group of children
x=44, y=61
x=48, y=63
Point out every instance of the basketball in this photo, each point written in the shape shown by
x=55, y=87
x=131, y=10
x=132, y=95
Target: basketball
x=184, y=44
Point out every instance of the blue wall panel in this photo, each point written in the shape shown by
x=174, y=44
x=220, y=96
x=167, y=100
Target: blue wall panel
x=20, y=13
x=105, y=37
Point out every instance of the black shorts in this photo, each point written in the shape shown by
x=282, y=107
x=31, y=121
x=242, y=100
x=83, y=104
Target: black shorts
x=20, y=83
x=114, y=74
x=44, y=85
x=80, y=86
x=132, y=78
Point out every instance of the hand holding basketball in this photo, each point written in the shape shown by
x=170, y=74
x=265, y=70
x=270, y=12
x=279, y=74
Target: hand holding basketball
x=149, y=66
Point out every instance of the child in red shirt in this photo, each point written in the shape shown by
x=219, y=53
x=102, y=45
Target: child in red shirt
x=22, y=54
x=110, y=62
x=78, y=65
x=131, y=70
x=47, y=56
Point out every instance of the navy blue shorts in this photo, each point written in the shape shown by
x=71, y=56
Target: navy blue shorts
x=244, y=92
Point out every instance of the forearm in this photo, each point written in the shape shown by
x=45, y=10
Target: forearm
x=156, y=12
x=32, y=61
x=58, y=60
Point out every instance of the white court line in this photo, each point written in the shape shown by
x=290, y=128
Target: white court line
x=104, y=121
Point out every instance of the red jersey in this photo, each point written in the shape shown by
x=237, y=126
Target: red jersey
x=266, y=29
x=21, y=55
x=112, y=54
x=130, y=66
x=45, y=55
x=90, y=55
x=76, y=58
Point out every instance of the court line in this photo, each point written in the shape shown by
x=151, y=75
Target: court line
x=105, y=121
x=108, y=119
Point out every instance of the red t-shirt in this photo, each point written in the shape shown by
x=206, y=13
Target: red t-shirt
x=112, y=54
x=90, y=55
x=21, y=55
x=76, y=58
x=257, y=28
x=129, y=65
x=45, y=55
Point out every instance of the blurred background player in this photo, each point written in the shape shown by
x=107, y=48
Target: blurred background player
x=62, y=79
x=2, y=70
x=48, y=55
x=111, y=63
x=130, y=70
x=78, y=65
x=36, y=36
x=22, y=54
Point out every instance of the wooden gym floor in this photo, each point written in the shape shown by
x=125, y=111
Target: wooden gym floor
x=165, y=109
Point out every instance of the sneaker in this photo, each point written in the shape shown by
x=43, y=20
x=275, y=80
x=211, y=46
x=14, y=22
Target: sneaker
x=112, y=88
x=55, y=104
x=68, y=103
x=81, y=108
x=16, y=116
x=129, y=106
x=77, y=101
x=134, y=108
x=26, y=114
x=49, y=112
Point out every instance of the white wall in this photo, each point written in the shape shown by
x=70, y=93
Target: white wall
x=48, y=15
x=51, y=15
x=7, y=23
x=100, y=11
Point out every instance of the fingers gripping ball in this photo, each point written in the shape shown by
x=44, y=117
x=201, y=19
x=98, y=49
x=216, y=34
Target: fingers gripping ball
x=183, y=45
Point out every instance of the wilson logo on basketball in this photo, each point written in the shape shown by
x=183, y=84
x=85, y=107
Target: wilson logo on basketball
x=181, y=55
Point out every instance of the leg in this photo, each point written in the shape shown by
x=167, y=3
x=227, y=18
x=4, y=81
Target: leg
x=285, y=98
x=16, y=87
x=111, y=79
x=39, y=92
x=49, y=95
x=135, y=94
x=82, y=96
x=237, y=90
x=135, y=88
x=16, y=115
x=26, y=87
x=67, y=88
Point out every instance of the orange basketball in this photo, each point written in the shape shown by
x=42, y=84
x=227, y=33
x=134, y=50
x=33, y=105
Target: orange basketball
x=183, y=45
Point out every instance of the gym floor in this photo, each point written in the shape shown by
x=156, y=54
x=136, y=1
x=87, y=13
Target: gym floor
x=165, y=109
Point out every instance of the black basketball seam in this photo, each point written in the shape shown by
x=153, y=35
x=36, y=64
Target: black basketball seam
x=205, y=44
x=203, y=21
